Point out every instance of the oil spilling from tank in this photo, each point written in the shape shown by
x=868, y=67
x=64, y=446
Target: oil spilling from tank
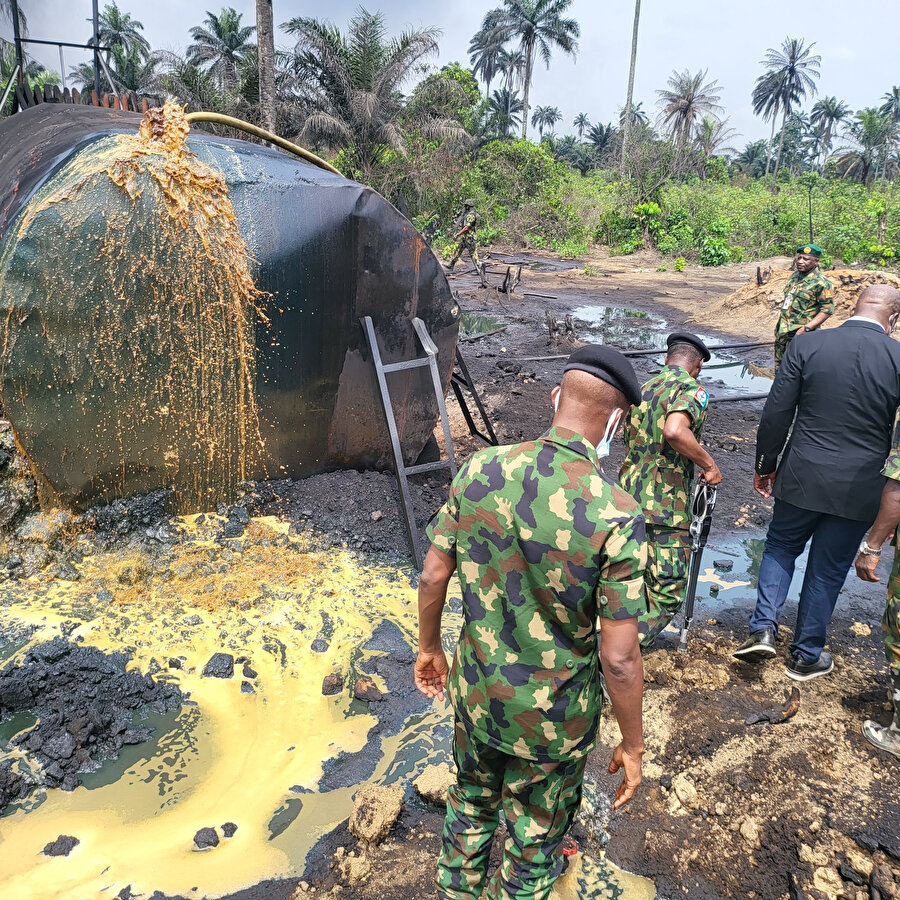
x=182, y=311
x=144, y=218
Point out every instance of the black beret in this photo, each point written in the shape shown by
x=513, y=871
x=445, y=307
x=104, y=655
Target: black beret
x=608, y=365
x=685, y=337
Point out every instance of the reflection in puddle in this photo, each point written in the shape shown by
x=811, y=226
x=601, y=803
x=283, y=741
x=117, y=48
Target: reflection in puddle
x=473, y=324
x=737, y=374
x=624, y=328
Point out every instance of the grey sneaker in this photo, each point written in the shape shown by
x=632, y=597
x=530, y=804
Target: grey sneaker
x=801, y=671
x=883, y=737
x=759, y=646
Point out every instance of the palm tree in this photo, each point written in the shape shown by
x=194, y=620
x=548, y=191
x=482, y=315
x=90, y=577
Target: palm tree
x=794, y=71
x=581, y=123
x=506, y=111
x=827, y=114
x=628, y=121
x=484, y=55
x=712, y=135
x=766, y=99
x=753, y=159
x=511, y=65
x=119, y=29
x=688, y=98
x=353, y=86
x=638, y=117
x=602, y=137
x=545, y=117
x=265, y=33
x=221, y=45
x=891, y=105
x=539, y=26
x=874, y=132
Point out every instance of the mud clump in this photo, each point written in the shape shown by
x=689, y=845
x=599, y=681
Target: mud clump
x=62, y=846
x=84, y=700
x=375, y=810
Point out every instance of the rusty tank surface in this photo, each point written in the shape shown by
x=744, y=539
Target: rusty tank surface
x=182, y=311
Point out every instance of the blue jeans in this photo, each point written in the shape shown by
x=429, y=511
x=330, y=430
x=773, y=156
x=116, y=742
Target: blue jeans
x=835, y=541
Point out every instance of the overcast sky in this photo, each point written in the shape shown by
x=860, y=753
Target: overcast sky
x=859, y=59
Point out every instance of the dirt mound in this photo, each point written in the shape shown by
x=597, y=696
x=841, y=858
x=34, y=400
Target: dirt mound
x=754, y=308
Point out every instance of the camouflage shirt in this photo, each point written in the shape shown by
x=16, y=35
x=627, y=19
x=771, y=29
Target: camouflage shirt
x=653, y=472
x=468, y=220
x=805, y=296
x=544, y=544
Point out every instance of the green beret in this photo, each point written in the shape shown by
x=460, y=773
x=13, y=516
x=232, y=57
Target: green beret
x=810, y=250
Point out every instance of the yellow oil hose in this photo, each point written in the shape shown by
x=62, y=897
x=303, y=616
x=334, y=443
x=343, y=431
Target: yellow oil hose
x=219, y=119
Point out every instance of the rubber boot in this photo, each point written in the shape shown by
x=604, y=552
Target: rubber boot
x=886, y=738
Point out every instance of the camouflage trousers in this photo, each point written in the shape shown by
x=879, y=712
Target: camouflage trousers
x=668, y=555
x=466, y=243
x=781, y=344
x=539, y=801
x=891, y=627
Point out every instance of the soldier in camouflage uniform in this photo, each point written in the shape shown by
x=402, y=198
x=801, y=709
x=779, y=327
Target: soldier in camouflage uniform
x=544, y=546
x=808, y=300
x=887, y=738
x=661, y=448
x=466, y=224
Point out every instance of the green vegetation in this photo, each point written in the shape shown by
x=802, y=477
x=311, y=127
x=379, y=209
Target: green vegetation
x=374, y=104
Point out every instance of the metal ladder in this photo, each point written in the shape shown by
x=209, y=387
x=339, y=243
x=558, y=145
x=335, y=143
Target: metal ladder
x=383, y=369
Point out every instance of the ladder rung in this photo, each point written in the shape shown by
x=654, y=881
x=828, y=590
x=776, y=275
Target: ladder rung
x=427, y=467
x=406, y=364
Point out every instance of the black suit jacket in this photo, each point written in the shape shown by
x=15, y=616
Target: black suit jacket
x=843, y=384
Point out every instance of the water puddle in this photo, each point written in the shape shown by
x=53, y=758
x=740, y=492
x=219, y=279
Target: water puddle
x=627, y=329
x=265, y=750
x=632, y=329
x=736, y=375
x=474, y=324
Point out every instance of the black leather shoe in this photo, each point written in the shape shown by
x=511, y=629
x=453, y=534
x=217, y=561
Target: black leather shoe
x=759, y=646
x=801, y=671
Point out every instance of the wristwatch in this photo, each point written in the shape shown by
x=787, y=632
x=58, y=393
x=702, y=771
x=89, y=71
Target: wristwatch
x=808, y=329
x=866, y=550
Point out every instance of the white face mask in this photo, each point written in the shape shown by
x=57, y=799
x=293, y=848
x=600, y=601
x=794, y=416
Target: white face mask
x=603, y=447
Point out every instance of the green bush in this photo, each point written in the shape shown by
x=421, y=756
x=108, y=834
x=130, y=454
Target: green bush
x=714, y=251
x=679, y=264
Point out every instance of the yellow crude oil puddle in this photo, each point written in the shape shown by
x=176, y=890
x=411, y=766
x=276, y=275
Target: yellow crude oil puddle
x=235, y=756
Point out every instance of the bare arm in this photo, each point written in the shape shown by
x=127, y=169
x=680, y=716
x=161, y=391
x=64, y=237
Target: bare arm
x=623, y=670
x=885, y=524
x=679, y=436
x=818, y=320
x=431, y=663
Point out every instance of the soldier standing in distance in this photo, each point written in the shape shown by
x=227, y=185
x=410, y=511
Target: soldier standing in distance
x=545, y=547
x=466, y=223
x=661, y=448
x=886, y=738
x=808, y=300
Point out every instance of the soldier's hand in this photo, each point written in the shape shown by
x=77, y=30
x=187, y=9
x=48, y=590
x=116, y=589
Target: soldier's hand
x=431, y=672
x=763, y=484
x=865, y=566
x=631, y=778
x=712, y=475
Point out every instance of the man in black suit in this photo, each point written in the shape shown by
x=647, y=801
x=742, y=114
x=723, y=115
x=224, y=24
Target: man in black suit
x=844, y=386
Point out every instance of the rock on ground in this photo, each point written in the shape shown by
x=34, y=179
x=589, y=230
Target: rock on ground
x=62, y=846
x=205, y=838
x=375, y=809
x=434, y=782
x=220, y=665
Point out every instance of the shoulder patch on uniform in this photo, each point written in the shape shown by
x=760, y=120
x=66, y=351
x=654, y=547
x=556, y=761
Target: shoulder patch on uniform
x=701, y=397
x=828, y=293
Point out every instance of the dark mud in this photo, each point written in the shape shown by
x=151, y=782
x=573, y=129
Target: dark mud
x=84, y=702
